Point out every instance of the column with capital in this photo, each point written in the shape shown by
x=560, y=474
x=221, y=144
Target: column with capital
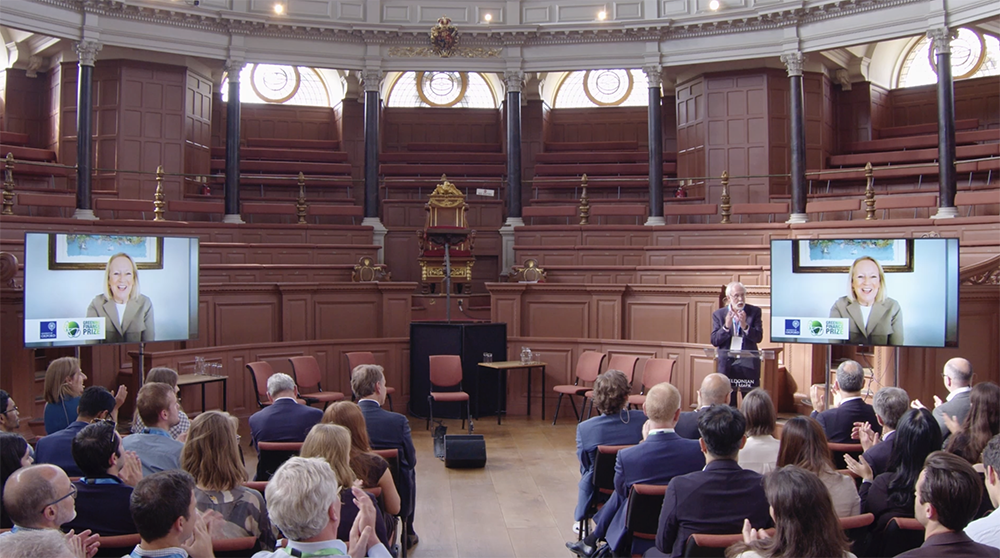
x=514, y=80
x=941, y=38
x=655, y=131
x=793, y=62
x=233, y=68
x=371, y=80
x=87, y=51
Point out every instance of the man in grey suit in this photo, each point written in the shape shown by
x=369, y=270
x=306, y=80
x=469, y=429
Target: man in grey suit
x=957, y=377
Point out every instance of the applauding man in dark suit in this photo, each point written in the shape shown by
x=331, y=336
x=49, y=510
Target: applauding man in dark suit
x=738, y=327
x=838, y=422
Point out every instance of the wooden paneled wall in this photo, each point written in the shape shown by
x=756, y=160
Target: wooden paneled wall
x=26, y=105
x=401, y=126
x=198, y=123
x=599, y=124
x=275, y=121
x=974, y=98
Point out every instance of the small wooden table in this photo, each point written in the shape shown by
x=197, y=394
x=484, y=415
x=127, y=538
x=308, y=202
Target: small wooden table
x=202, y=379
x=504, y=367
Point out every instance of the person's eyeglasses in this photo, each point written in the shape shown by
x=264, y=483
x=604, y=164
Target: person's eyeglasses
x=14, y=410
x=114, y=427
x=72, y=494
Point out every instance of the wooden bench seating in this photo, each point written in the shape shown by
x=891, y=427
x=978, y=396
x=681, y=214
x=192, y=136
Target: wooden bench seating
x=286, y=167
x=771, y=209
x=600, y=169
x=448, y=146
x=834, y=206
x=904, y=171
x=924, y=201
x=569, y=157
x=974, y=151
x=393, y=169
x=46, y=200
x=276, y=154
x=27, y=153
x=196, y=206
x=921, y=129
x=591, y=146
x=446, y=157
x=927, y=140
x=13, y=138
x=115, y=205
x=277, y=143
x=289, y=181
x=596, y=182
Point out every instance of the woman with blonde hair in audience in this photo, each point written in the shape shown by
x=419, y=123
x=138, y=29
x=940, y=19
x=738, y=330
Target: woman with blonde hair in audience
x=212, y=455
x=804, y=520
x=760, y=452
x=63, y=388
x=332, y=443
x=969, y=439
x=369, y=466
x=803, y=443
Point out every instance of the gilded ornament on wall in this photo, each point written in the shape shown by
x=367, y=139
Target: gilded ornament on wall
x=444, y=37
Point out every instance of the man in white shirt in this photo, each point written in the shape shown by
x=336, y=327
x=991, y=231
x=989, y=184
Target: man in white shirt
x=957, y=376
x=987, y=529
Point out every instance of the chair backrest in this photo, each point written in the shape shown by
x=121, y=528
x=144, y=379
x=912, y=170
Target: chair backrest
x=446, y=370
x=117, y=545
x=604, y=468
x=236, y=547
x=272, y=455
x=643, y=512
x=588, y=366
x=357, y=358
x=839, y=449
x=392, y=457
x=710, y=546
x=900, y=534
x=260, y=371
x=306, y=371
x=259, y=486
x=625, y=363
x=657, y=371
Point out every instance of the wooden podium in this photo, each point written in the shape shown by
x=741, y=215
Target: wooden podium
x=770, y=377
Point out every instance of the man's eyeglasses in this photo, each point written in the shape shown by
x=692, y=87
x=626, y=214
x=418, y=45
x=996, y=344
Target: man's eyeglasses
x=114, y=427
x=14, y=410
x=72, y=494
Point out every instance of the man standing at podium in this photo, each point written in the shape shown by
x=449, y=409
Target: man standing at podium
x=738, y=327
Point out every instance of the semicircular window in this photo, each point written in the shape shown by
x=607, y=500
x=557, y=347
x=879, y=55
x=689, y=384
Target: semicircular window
x=973, y=54
x=441, y=89
x=603, y=88
x=276, y=84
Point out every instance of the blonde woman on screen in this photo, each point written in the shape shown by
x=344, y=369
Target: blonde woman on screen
x=875, y=319
x=128, y=313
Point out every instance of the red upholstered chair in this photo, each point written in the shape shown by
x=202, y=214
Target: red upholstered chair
x=642, y=516
x=117, y=545
x=656, y=371
x=446, y=371
x=260, y=371
x=259, y=486
x=604, y=482
x=365, y=357
x=588, y=367
x=900, y=534
x=307, y=374
x=837, y=450
x=271, y=455
x=625, y=363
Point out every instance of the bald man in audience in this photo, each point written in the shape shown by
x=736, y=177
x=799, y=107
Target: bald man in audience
x=715, y=390
x=850, y=408
x=957, y=377
x=657, y=459
x=42, y=497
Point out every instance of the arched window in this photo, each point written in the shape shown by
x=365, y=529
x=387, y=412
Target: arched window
x=273, y=84
x=603, y=88
x=973, y=54
x=441, y=89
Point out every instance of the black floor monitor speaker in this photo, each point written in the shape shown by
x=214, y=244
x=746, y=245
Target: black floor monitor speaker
x=464, y=451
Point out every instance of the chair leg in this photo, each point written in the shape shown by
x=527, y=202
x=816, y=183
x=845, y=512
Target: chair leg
x=430, y=415
x=556, y=416
x=468, y=413
x=575, y=413
x=387, y=396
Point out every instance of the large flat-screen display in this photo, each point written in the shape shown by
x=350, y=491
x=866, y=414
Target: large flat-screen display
x=871, y=292
x=83, y=289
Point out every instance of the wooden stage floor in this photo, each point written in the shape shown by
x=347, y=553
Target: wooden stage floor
x=520, y=505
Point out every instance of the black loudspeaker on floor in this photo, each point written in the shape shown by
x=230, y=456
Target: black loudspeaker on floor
x=464, y=451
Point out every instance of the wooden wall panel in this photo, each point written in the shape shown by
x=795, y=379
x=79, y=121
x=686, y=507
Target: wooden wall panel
x=557, y=318
x=599, y=124
x=405, y=125
x=974, y=98
x=286, y=121
x=26, y=105
x=337, y=317
x=690, y=99
x=197, y=123
x=249, y=320
x=351, y=122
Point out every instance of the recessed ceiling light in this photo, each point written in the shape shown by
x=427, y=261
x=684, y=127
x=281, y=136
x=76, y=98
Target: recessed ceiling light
x=602, y=15
x=488, y=17
x=713, y=5
x=279, y=8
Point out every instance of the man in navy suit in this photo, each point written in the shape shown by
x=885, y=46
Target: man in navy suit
x=656, y=460
x=890, y=403
x=718, y=498
x=388, y=430
x=57, y=448
x=838, y=423
x=947, y=498
x=285, y=419
x=738, y=326
x=715, y=390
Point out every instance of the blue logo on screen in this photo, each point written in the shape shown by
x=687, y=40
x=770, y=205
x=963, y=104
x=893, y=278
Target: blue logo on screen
x=793, y=327
x=47, y=330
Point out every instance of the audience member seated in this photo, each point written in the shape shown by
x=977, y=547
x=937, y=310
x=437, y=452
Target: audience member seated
x=849, y=407
x=157, y=405
x=718, y=498
x=63, y=388
x=987, y=529
x=57, y=449
x=367, y=465
x=891, y=494
x=10, y=417
x=102, y=495
x=285, y=420
x=169, y=524
x=803, y=444
x=332, y=443
x=303, y=501
x=212, y=456
x=805, y=523
x=982, y=422
x=957, y=377
x=167, y=376
x=715, y=390
x=662, y=456
x=615, y=426
x=14, y=454
x=948, y=492
x=760, y=452
x=388, y=430
x=42, y=497
x=889, y=405
x=46, y=542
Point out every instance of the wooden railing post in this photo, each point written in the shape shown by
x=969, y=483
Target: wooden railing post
x=869, y=193
x=159, y=206
x=8, y=185
x=726, y=207
x=584, y=203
